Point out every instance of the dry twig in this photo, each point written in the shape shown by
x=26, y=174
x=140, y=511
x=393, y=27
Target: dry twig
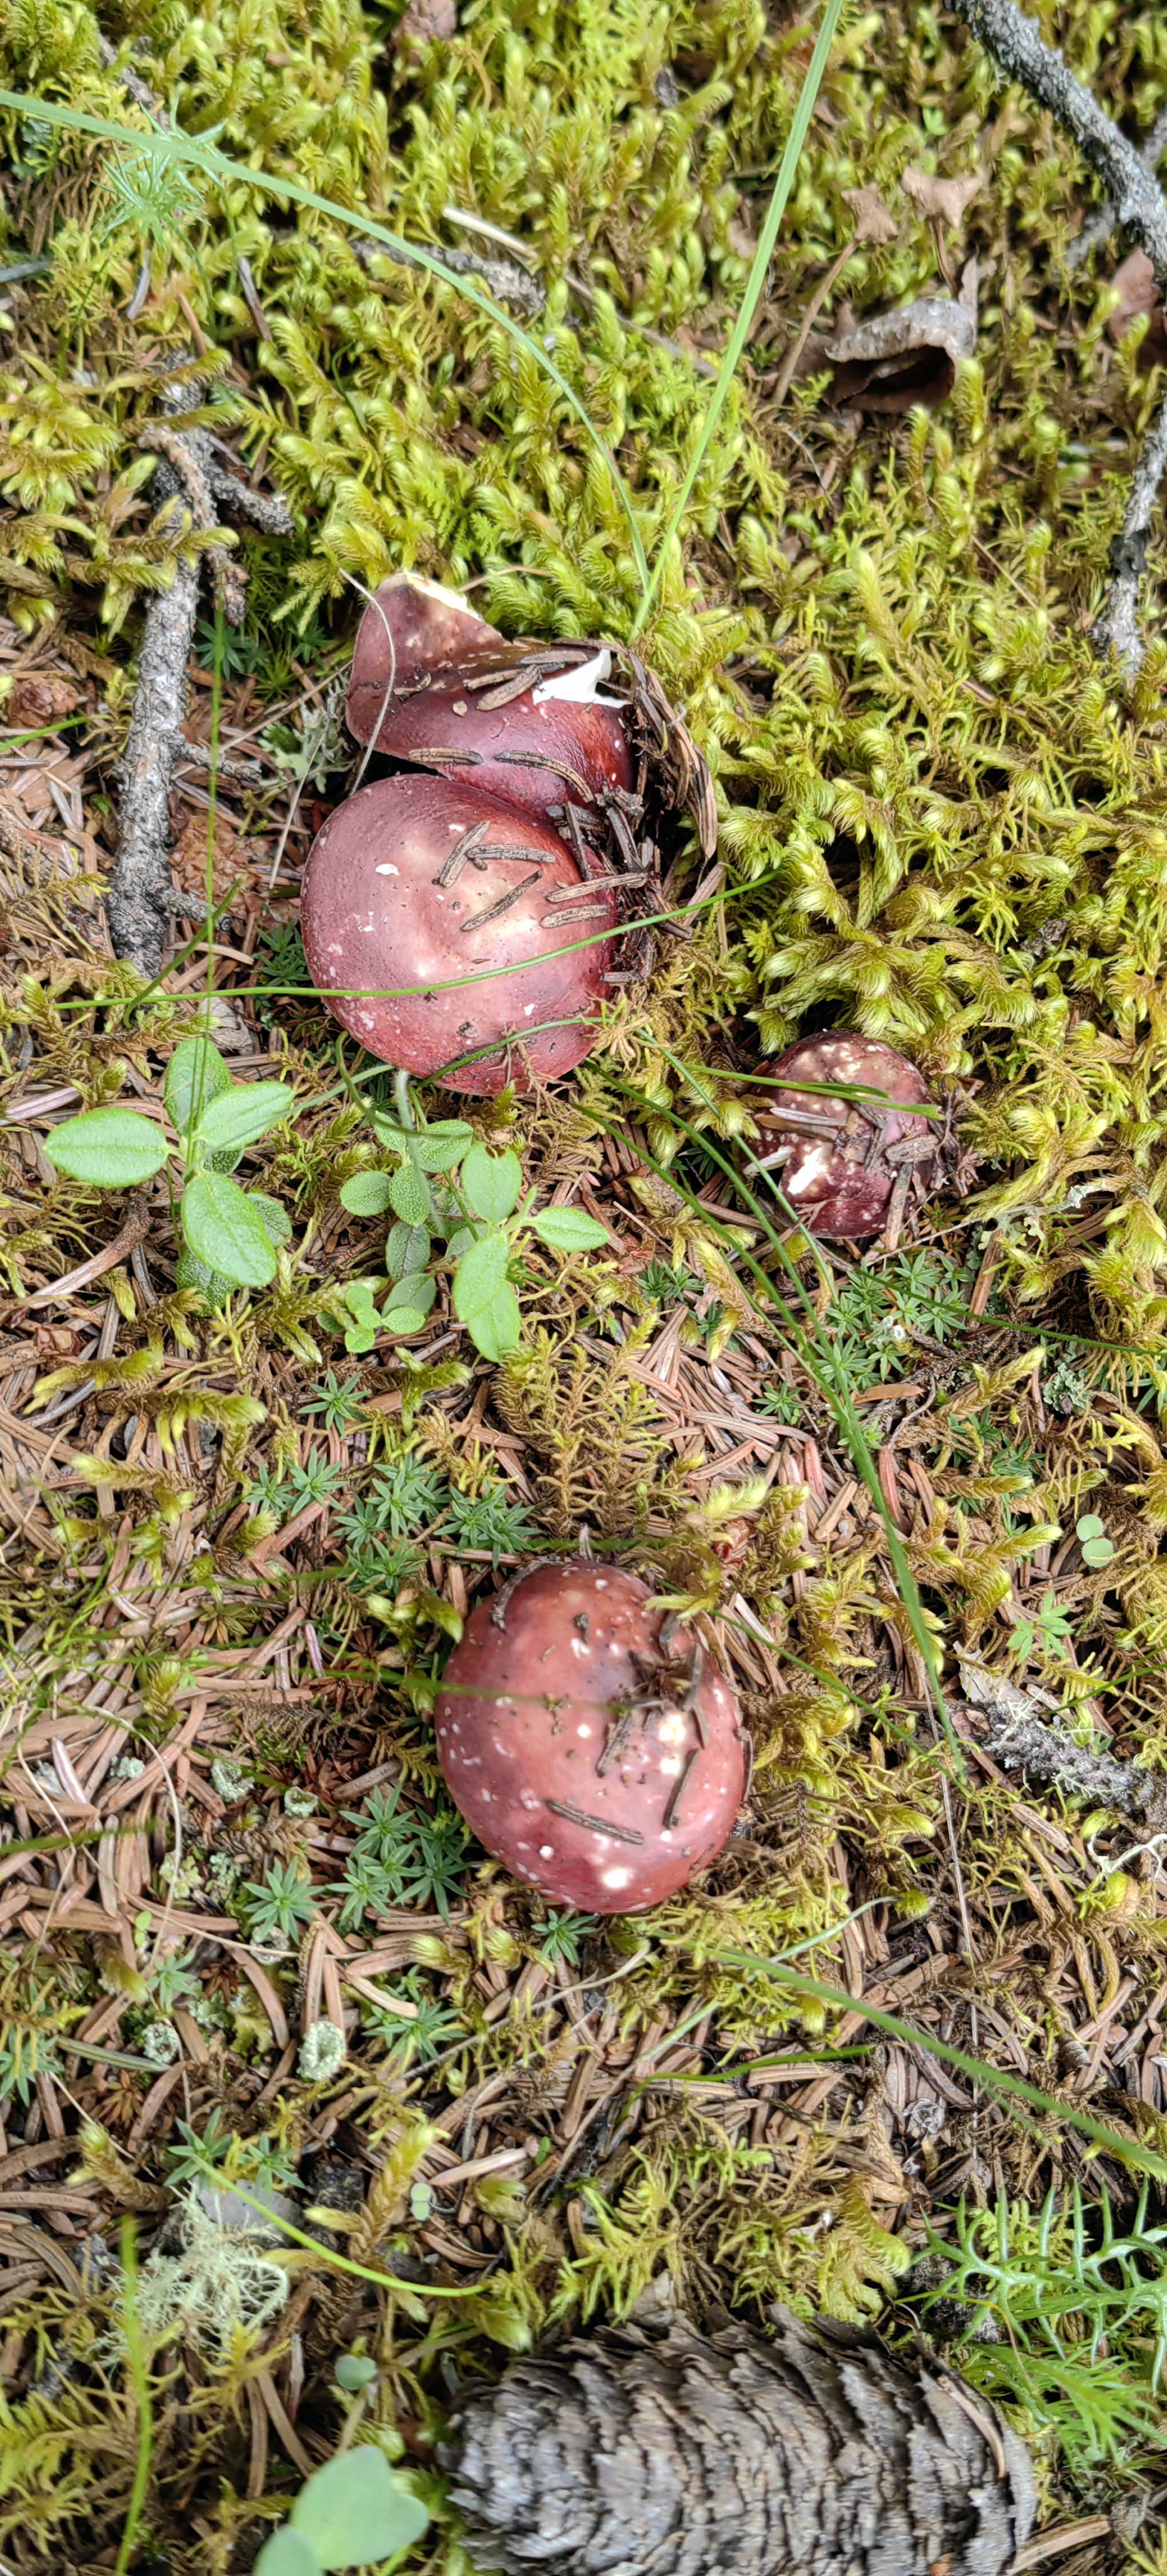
x=142, y=896
x=1017, y=45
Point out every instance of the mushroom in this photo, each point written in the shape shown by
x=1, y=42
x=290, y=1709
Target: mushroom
x=588, y=1739
x=848, y=1166
x=432, y=913
x=434, y=684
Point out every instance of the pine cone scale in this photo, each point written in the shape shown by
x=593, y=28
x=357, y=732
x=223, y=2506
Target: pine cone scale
x=818, y=2454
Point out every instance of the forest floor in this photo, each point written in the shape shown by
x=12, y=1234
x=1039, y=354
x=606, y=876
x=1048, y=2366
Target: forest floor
x=247, y=1944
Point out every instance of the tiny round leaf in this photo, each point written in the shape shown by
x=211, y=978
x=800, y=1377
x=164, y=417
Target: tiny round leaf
x=366, y=1193
x=352, y=2511
x=409, y=1195
x=287, y=2553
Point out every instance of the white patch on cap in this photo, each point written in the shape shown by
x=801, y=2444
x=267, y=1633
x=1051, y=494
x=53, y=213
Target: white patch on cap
x=812, y=1170
x=385, y=868
x=580, y=685
x=616, y=1878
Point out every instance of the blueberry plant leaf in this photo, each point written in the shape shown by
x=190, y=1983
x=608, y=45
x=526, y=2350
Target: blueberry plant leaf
x=409, y=1195
x=491, y=1182
x=367, y=1193
x=226, y=1231
x=484, y=1300
x=569, y=1230
x=115, y=1149
x=241, y=1115
x=195, y=1075
x=407, y=1250
x=287, y=2553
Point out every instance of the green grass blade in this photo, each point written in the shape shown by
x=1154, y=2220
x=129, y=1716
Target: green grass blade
x=754, y=286
x=163, y=144
x=817, y=1355
x=140, y=2382
x=993, y=2079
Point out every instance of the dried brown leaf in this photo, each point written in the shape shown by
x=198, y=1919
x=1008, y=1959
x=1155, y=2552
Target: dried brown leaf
x=873, y=222
x=425, y=20
x=41, y=699
x=942, y=201
x=1139, y=292
x=893, y=360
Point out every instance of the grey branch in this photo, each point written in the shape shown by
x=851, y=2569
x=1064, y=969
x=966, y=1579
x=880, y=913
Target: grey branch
x=817, y=2454
x=131, y=81
x=142, y=896
x=1019, y=48
x=1017, y=1735
x=1101, y=225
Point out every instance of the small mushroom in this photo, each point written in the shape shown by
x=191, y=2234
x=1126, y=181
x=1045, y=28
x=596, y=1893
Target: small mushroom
x=587, y=1739
x=848, y=1167
x=430, y=915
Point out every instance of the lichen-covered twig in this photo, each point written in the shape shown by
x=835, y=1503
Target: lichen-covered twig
x=1017, y=1736
x=1100, y=226
x=142, y=896
x=1018, y=46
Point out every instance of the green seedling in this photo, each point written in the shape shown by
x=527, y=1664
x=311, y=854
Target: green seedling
x=231, y=1236
x=447, y=1184
x=351, y=2513
x=1049, y=1631
x=1097, y=1548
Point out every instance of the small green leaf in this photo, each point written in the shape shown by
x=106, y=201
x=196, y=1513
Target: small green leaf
x=433, y=1149
x=113, y=1148
x=569, y=1230
x=234, y=1121
x=273, y=1215
x=407, y=1250
x=409, y=1195
x=430, y=1605
x=415, y=1291
x=211, y=1284
x=352, y=2511
x=226, y=1231
x=287, y=2553
x=366, y=1193
x=354, y=2370
x=491, y=1182
x=421, y=2200
x=1089, y=1526
x=484, y=1300
x=195, y=1075
x=440, y=1147
x=481, y=1271
x=1097, y=1551
x=405, y=1319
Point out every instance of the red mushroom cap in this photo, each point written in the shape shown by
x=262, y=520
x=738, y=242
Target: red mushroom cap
x=376, y=917
x=599, y=1765
x=412, y=632
x=841, y=1180
x=425, y=672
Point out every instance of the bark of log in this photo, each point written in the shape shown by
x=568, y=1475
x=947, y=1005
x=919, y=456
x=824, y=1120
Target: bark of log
x=685, y=2454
